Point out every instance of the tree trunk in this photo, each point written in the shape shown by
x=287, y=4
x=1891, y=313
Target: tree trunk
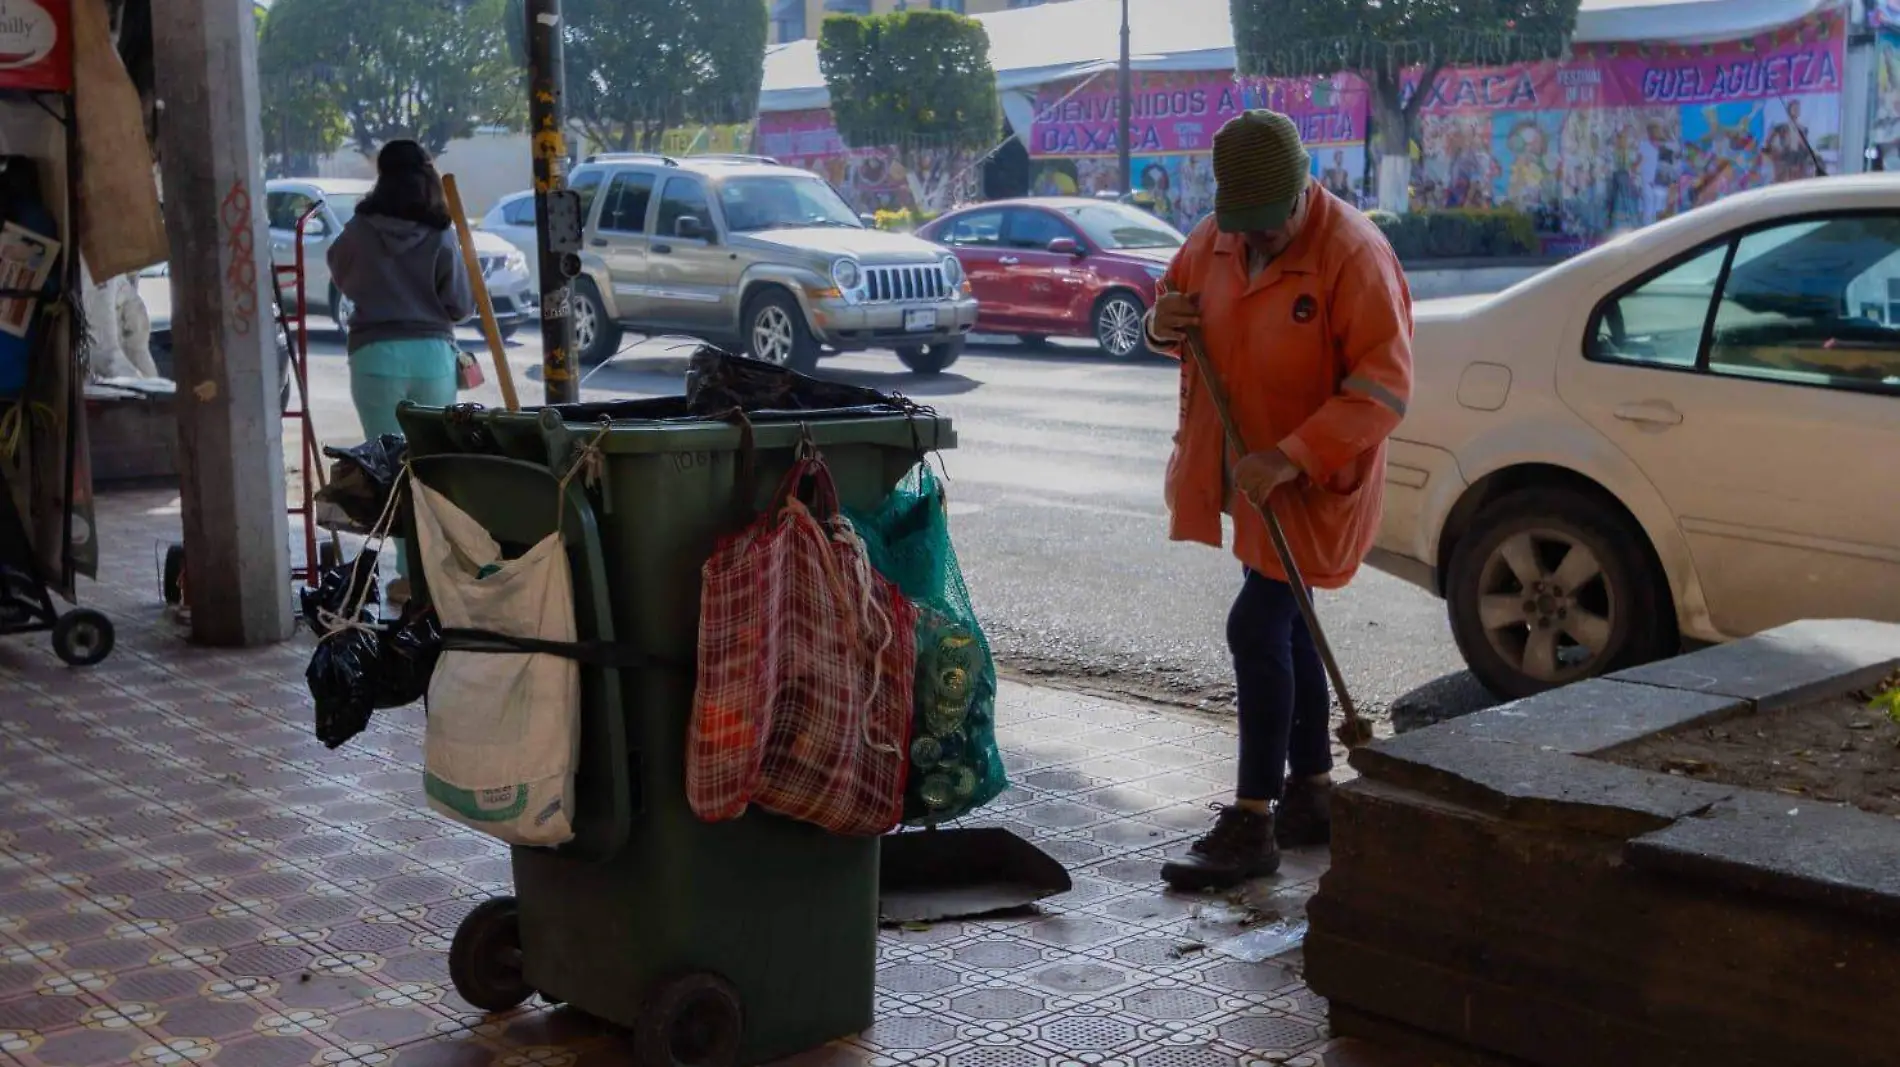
x=1394, y=143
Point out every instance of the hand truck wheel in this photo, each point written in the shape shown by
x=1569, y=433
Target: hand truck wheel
x=695, y=1020
x=83, y=638
x=485, y=957
x=173, y=583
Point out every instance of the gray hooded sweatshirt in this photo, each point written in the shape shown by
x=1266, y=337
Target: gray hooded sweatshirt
x=406, y=279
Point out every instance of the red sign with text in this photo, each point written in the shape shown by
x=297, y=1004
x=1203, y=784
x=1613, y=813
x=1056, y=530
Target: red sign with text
x=36, y=45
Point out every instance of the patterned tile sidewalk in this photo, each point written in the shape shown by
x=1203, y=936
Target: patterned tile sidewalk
x=188, y=877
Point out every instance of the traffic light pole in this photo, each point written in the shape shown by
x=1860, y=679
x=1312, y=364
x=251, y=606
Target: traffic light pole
x=1127, y=112
x=547, y=123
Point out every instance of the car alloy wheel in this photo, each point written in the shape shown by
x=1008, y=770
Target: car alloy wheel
x=1118, y=327
x=586, y=324
x=773, y=337
x=1546, y=606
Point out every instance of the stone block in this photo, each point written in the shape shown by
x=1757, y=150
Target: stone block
x=1791, y=665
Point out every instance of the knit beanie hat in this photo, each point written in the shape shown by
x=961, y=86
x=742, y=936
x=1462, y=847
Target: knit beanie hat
x=1260, y=170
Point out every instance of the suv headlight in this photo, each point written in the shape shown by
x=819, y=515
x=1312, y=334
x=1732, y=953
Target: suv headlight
x=952, y=271
x=516, y=263
x=846, y=275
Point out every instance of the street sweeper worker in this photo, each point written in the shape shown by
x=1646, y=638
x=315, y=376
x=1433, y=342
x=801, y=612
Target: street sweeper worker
x=1303, y=310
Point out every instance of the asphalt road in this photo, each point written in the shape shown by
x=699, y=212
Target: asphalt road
x=1055, y=491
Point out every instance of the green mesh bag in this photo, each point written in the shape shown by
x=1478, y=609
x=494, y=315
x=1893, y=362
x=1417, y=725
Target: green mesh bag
x=955, y=766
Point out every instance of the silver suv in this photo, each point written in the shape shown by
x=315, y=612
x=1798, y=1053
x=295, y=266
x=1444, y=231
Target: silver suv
x=741, y=251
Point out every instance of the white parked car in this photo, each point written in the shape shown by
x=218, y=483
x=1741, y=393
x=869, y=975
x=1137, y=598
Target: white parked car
x=511, y=288
x=512, y=220
x=1689, y=433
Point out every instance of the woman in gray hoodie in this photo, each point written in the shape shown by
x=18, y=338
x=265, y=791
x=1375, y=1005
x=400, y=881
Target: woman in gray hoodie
x=399, y=262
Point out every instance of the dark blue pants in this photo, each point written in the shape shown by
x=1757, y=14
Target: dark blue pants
x=1281, y=687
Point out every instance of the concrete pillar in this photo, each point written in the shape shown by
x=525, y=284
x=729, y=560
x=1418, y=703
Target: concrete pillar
x=230, y=423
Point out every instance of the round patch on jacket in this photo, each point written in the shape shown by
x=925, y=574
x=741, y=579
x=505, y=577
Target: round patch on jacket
x=1305, y=308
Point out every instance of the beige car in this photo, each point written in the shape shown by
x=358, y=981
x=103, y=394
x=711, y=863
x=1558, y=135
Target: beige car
x=769, y=259
x=1689, y=433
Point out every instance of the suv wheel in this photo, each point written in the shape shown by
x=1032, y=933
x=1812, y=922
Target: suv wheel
x=596, y=336
x=931, y=359
x=1118, y=326
x=775, y=332
x=1551, y=587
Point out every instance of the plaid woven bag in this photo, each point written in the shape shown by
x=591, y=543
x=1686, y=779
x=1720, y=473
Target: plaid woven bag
x=807, y=661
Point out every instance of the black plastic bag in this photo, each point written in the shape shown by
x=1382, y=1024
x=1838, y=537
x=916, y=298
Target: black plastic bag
x=338, y=588
x=360, y=482
x=407, y=660
x=719, y=383
x=342, y=678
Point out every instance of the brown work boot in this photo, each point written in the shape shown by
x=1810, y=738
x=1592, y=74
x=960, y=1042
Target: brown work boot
x=1304, y=818
x=1239, y=847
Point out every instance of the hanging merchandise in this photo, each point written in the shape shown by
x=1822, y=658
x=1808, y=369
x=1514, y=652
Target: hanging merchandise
x=955, y=765
x=503, y=740
x=807, y=661
x=123, y=231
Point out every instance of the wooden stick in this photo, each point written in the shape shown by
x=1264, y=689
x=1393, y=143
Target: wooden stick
x=1354, y=731
x=503, y=375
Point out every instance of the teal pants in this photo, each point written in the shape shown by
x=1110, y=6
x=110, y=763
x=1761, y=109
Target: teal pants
x=387, y=373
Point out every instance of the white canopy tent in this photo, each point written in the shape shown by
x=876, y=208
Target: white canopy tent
x=1058, y=41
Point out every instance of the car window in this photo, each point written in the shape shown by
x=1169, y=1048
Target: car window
x=1033, y=230
x=627, y=200
x=519, y=212
x=682, y=197
x=1660, y=321
x=1118, y=226
x=767, y=203
x=978, y=229
x=1812, y=302
x=586, y=183
x=285, y=208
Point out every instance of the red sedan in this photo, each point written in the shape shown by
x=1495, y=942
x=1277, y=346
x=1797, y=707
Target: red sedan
x=1060, y=267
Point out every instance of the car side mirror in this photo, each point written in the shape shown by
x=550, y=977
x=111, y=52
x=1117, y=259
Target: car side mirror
x=691, y=228
x=1066, y=246
x=869, y=220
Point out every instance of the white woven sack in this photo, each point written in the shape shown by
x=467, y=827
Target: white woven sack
x=503, y=733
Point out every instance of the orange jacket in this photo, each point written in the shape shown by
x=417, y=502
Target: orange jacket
x=1316, y=355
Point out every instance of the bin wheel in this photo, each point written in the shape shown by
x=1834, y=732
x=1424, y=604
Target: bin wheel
x=695, y=1020
x=485, y=957
x=173, y=584
x=83, y=638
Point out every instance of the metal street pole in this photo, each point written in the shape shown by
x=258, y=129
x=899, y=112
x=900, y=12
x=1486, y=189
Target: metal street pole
x=1127, y=111
x=546, y=75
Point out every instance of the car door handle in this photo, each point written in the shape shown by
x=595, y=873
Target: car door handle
x=1009, y=261
x=1649, y=413
x=598, y=242
x=662, y=250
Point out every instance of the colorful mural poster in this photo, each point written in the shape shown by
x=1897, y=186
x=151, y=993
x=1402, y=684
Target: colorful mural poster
x=1884, y=133
x=1173, y=121
x=1621, y=135
x=1614, y=137
x=871, y=179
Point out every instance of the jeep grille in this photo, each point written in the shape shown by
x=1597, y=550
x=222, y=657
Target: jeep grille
x=897, y=285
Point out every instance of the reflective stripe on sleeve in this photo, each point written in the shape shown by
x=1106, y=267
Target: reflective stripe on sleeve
x=1375, y=391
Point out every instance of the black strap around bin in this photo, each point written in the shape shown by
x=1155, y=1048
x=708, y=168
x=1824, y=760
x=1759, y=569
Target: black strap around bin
x=608, y=655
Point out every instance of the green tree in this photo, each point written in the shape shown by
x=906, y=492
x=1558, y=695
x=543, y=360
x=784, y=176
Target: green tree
x=301, y=120
x=1399, y=48
x=434, y=70
x=637, y=68
x=916, y=82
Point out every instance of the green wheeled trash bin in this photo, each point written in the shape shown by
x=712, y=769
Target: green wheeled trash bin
x=732, y=943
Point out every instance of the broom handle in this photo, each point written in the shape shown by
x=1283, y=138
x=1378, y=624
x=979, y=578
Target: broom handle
x=1204, y=369
x=496, y=350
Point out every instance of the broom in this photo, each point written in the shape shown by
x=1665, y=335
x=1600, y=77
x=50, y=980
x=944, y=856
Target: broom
x=1354, y=731
x=491, y=333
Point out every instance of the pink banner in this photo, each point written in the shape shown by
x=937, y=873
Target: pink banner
x=1798, y=60
x=1175, y=113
